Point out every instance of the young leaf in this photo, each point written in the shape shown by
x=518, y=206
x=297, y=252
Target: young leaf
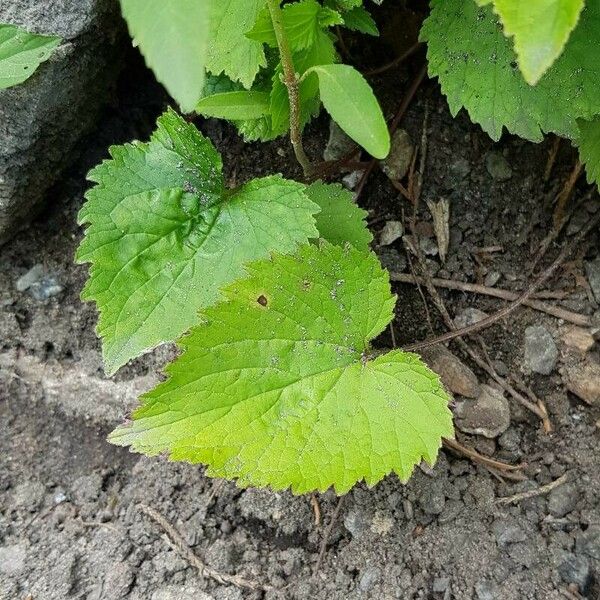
x=302, y=22
x=235, y=106
x=350, y=101
x=358, y=19
x=279, y=387
x=229, y=51
x=21, y=53
x=340, y=221
x=164, y=235
x=540, y=28
x=589, y=148
x=476, y=67
x=172, y=37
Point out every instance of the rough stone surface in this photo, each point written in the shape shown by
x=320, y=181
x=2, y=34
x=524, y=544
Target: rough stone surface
x=391, y=231
x=457, y=377
x=396, y=165
x=42, y=119
x=541, y=352
x=582, y=378
x=488, y=415
x=339, y=144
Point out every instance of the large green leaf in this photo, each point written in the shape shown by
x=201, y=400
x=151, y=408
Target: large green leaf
x=477, y=69
x=279, y=386
x=340, y=220
x=172, y=36
x=589, y=148
x=540, y=28
x=229, y=51
x=164, y=234
x=350, y=101
x=21, y=53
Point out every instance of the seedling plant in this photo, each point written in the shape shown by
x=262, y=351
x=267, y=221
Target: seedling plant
x=270, y=288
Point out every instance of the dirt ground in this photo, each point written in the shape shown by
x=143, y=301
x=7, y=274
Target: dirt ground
x=70, y=522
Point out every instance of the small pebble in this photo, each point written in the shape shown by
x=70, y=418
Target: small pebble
x=488, y=415
x=392, y=231
x=397, y=163
x=492, y=278
x=469, y=316
x=541, y=352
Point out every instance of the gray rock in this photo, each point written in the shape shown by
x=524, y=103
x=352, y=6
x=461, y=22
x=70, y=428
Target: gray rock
x=13, y=559
x=492, y=278
x=457, y=377
x=497, y=166
x=338, y=144
x=40, y=285
x=592, y=270
x=469, y=316
x=582, y=378
x=563, y=499
x=32, y=276
x=391, y=231
x=396, y=165
x=42, y=119
x=541, y=352
x=576, y=569
x=488, y=415
x=589, y=542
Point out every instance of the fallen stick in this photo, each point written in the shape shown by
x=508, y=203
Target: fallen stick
x=452, y=284
x=541, y=491
x=178, y=544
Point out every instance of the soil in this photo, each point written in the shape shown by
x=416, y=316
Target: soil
x=70, y=524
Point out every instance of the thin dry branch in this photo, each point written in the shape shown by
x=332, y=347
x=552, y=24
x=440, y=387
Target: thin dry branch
x=178, y=544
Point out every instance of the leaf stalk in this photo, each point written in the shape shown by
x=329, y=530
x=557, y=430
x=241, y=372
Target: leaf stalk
x=292, y=83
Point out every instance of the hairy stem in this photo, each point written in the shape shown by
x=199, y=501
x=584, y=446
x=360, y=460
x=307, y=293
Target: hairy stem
x=290, y=79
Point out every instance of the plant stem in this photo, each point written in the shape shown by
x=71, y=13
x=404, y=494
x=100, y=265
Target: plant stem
x=290, y=79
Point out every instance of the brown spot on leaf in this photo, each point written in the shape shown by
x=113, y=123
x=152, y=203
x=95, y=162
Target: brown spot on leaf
x=262, y=300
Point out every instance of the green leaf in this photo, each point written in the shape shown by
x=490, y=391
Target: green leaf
x=358, y=19
x=279, y=386
x=340, y=221
x=164, y=235
x=302, y=21
x=172, y=37
x=350, y=101
x=21, y=53
x=235, y=105
x=540, y=29
x=229, y=50
x=477, y=69
x=589, y=148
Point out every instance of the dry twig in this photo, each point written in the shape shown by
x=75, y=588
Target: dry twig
x=178, y=544
x=451, y=284
x=327, y=535
x=541, y=491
